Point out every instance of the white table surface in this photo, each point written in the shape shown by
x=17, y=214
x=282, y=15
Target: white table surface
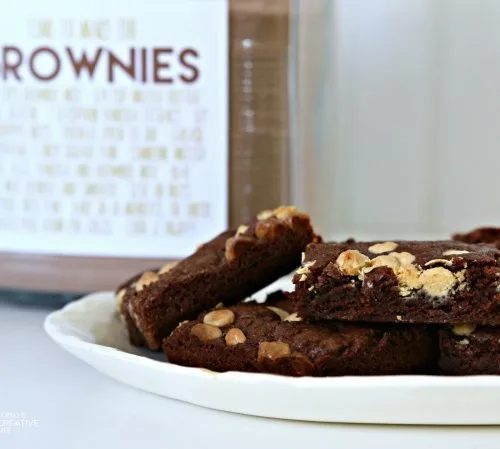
x=63, y=403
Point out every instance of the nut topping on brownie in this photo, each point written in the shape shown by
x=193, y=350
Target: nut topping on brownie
x=272, y=350
x=167, y=267
x=147, y=278
x=206, y=332
x=235, y=337
x=384, y=247
x=283, y=314
x=463, y=330
x=421, y=282
x=351, y=262
x=455, y=252
x=434, y=281
x=219, y=317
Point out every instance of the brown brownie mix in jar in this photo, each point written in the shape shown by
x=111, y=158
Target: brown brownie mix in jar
x=82, y=190
x=259, y=106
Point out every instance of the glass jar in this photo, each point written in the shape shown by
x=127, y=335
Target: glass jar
x=128, y=136
x=261, y=61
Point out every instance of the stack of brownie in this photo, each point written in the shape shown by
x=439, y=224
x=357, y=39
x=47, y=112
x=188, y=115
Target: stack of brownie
x=446, y=287
x=373, y=308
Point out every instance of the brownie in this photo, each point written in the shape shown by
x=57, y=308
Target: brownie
x=490, y=235
x=135, y=336
x=255, y=338
x=227, y=269
x=391, y=282
x=466, y=349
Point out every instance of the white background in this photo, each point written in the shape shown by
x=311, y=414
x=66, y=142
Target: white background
x=402, y=119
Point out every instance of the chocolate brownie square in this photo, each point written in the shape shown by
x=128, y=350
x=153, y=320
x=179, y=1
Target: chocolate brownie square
x=393, y=282
x=256, y=338
x=466, y=349
x=227, y=269
x=489, y=235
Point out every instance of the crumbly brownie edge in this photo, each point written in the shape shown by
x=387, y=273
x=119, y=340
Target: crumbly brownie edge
x=467, y=349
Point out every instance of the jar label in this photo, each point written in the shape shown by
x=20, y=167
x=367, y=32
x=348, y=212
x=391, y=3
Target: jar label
x=113, y=126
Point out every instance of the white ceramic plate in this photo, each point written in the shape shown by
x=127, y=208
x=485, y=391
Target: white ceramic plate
x=90, y=330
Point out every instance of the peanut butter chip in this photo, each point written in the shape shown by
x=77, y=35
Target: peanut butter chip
x=119, y=299
x=219, y=318
x=351, y=262
x=147, y=278
x=463, y=330
x=241, y=230
x=404, y=257
x=305, y=268
x=454, y=252
x=206, y=332
x=235, y=336
x=439, y=261
x=385, y=247
x=273, y=350
x=385, y=261
x=264, y=230
x=230, y=251
x=284, y=212
x=265, y=214
x=437, y=281
x=278, y=311
x=134, y=316
x=293, y=317
x=460, y=275
x=408, y=279
x=167, y=267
